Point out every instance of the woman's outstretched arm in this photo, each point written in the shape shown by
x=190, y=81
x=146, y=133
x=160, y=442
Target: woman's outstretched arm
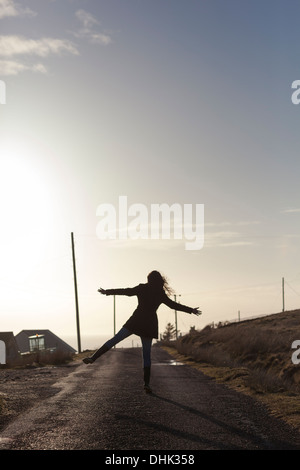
x=183, y=308
x=130, y=291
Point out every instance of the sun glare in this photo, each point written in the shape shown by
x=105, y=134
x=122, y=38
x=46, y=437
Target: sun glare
x=23, y=191
x=25, y=204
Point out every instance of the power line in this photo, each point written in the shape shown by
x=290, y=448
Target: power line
x=292, y=288
x=283, y=294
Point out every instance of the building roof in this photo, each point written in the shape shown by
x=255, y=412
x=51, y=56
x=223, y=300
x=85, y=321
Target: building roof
x=51, y=340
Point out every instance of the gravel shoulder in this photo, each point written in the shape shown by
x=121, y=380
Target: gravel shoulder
x=22, y=388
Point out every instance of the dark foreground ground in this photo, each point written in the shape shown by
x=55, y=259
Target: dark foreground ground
x=103, y=406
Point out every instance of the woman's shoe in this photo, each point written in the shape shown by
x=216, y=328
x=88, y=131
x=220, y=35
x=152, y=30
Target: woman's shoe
x=88, y=360
x=147, y=389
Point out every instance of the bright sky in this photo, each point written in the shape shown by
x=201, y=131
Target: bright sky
x=161, y=101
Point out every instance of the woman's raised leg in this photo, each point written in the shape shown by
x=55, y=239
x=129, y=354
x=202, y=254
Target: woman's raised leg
x=122, y=334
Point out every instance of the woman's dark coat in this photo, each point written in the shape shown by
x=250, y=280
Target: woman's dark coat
x=143, y=321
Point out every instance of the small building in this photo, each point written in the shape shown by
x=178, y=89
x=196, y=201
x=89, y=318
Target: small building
x=37, y=340
x=9, y=350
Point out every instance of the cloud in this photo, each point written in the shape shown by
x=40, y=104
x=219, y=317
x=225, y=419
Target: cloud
x=9, y=8
x=10, y=67
x=229, y=238
x=38, y=68
x=19, y=45
x=290, y=211
x=12, y=46
x=225, y=239
x=227, y=224
x=89, y=29
x=86, y=19
x=238, y=243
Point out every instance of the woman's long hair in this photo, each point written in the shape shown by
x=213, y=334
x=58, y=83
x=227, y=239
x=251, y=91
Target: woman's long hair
x=156, y=280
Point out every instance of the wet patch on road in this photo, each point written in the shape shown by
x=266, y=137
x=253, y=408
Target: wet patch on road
x=170, y=362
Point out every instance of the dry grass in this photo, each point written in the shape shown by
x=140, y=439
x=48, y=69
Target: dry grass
x=40, y=358
x=253, y=357
x=2, y=404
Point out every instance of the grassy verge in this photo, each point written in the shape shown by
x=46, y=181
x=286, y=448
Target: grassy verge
x=253, y=357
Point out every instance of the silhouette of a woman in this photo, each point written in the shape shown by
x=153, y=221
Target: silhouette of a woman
x=143, y=321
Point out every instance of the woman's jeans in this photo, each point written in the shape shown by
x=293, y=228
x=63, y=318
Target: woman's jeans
x=124, y=333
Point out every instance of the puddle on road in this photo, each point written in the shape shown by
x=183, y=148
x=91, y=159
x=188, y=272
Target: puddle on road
x=170, y=362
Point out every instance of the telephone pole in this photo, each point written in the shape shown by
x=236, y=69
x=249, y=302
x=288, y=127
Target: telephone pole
x=76, y=294
x=176, y=328
x=176, y=320
x=283, y=294
x=114, y=316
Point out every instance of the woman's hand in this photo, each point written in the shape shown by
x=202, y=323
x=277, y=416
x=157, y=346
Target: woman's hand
x=196, y=311
x=102, y=291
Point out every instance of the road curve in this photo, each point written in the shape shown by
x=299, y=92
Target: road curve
x=103, y=406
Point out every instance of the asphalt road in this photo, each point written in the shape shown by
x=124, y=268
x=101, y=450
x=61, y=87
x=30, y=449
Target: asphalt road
x=103, y=406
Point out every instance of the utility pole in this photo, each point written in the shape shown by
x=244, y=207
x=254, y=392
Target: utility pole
x=283, y=294
x=114, y=316
x=176, y=328
x=76, y=294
